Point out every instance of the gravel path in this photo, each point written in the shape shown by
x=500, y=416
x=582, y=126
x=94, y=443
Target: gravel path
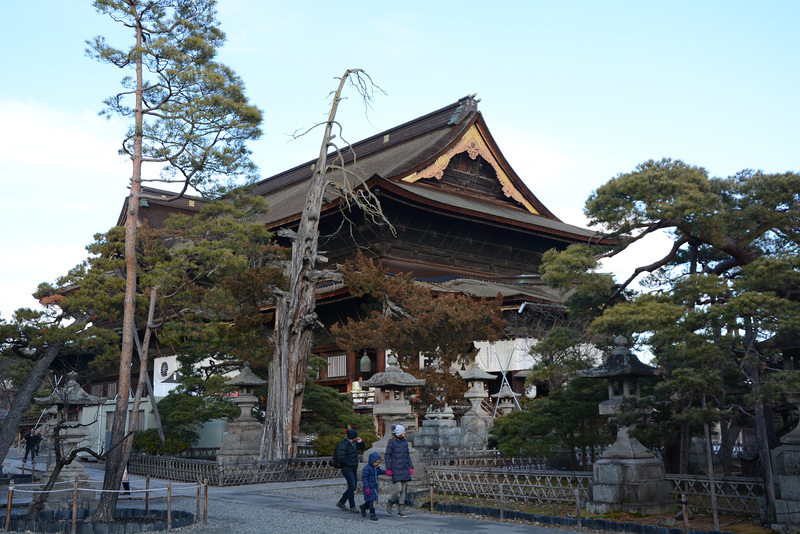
x=304, y=507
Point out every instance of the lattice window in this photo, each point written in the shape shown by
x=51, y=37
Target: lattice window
x=337, y=365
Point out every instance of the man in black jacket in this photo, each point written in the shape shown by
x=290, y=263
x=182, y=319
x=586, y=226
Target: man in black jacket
x=348, y=458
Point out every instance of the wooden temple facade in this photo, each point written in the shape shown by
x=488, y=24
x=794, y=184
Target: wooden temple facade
x=463, y=221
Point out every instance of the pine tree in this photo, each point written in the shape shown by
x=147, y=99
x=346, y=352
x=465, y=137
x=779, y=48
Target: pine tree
x=190, y=114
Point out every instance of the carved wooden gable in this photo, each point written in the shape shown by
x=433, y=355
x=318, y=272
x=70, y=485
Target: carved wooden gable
x=470, y=166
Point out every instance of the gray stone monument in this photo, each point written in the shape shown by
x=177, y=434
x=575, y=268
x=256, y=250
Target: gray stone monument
x=628, y=477
x=71, y=434
x=786, y=472
x=243, y=439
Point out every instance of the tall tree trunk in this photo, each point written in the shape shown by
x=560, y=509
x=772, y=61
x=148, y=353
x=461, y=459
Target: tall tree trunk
x=143, y=365
x=296, y=317
x=115, y=457
x=22, y=400
x=685, y=444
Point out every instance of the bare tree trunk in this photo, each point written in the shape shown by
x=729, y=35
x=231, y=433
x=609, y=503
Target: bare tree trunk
x=684, y=452
x=115, y=458
x=137, y=399
x=295, y=315
x=143, y=352
x=22, y=400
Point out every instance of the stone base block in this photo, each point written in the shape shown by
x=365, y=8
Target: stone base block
x=630, y=485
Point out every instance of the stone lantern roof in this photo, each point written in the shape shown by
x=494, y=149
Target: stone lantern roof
x=620, y=363
x=71, y=394
x=476, y=373
x=246, y=378
x=392, y=376
x=504, y=393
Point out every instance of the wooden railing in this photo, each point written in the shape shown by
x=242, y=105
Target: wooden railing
x=735, y=495
x=529, y=485
x=231, y=474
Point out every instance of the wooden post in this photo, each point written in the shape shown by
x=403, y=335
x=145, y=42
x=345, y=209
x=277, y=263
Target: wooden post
x=578, y=507
x=147, y=494
x=75, y=505
x=205, y=501
x=169, y=505
x=10, y=499
x=685, y=514
x=431, y=495
x=33, y=469
x=199, y=486
x=502, y=514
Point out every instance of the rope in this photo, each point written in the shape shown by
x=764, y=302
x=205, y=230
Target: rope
x=71, y=488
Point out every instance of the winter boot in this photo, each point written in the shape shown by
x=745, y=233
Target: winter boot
x=389, y=507
x=363, y=509
x=373, y=515
x=400, y=510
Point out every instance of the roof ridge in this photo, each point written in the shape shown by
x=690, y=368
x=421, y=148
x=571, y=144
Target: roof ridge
x=441, y=117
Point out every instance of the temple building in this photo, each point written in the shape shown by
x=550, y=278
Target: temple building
x=463, y=221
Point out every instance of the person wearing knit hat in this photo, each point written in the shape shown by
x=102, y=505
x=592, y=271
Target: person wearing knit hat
x=349, y=450
x=400, y=467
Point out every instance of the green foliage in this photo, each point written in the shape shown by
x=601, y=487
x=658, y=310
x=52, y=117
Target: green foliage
x=219, y=279
x=329, y=412
x=193, y=403
x=196, y=116
x=565, y=419
x=175, y=441
x=723, y=297
x=558, y=357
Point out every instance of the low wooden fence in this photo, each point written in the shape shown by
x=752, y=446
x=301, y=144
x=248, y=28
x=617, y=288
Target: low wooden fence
x=735, y=495
x=231, y=474
x=482, y=473
x=530, y=485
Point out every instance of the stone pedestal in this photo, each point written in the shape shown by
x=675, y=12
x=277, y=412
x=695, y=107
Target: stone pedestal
x=786, y=472
x=242, y=442
x=634, y=485
x=70, y=437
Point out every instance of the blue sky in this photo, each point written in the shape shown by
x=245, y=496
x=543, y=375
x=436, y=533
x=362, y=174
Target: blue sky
x=573, y=92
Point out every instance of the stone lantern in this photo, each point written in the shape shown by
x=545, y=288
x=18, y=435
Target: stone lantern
x=63, y=401
x=476, y=379
x=243, y=439
x=505, y=400
x=628, y=477
x=391, y=402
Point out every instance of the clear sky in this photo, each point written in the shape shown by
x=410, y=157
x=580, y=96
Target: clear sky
x=574, y=93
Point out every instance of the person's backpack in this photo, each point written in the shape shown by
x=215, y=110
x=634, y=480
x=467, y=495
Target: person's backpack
x=335, y=462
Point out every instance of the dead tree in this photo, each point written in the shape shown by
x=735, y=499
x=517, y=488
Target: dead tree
x=296, y=317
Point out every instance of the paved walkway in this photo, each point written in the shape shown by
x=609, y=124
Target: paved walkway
x=269, y=507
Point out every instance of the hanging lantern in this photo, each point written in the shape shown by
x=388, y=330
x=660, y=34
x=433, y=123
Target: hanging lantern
x=365, y=365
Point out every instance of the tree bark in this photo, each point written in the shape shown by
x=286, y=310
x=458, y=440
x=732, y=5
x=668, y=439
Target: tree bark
x=296, y=317
x=115, y=457
x=22, y=400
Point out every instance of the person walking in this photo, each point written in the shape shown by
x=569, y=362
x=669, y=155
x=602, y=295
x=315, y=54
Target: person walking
x=400, y=467
x=369, y=478
x=349, y=448
x=31, y=445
